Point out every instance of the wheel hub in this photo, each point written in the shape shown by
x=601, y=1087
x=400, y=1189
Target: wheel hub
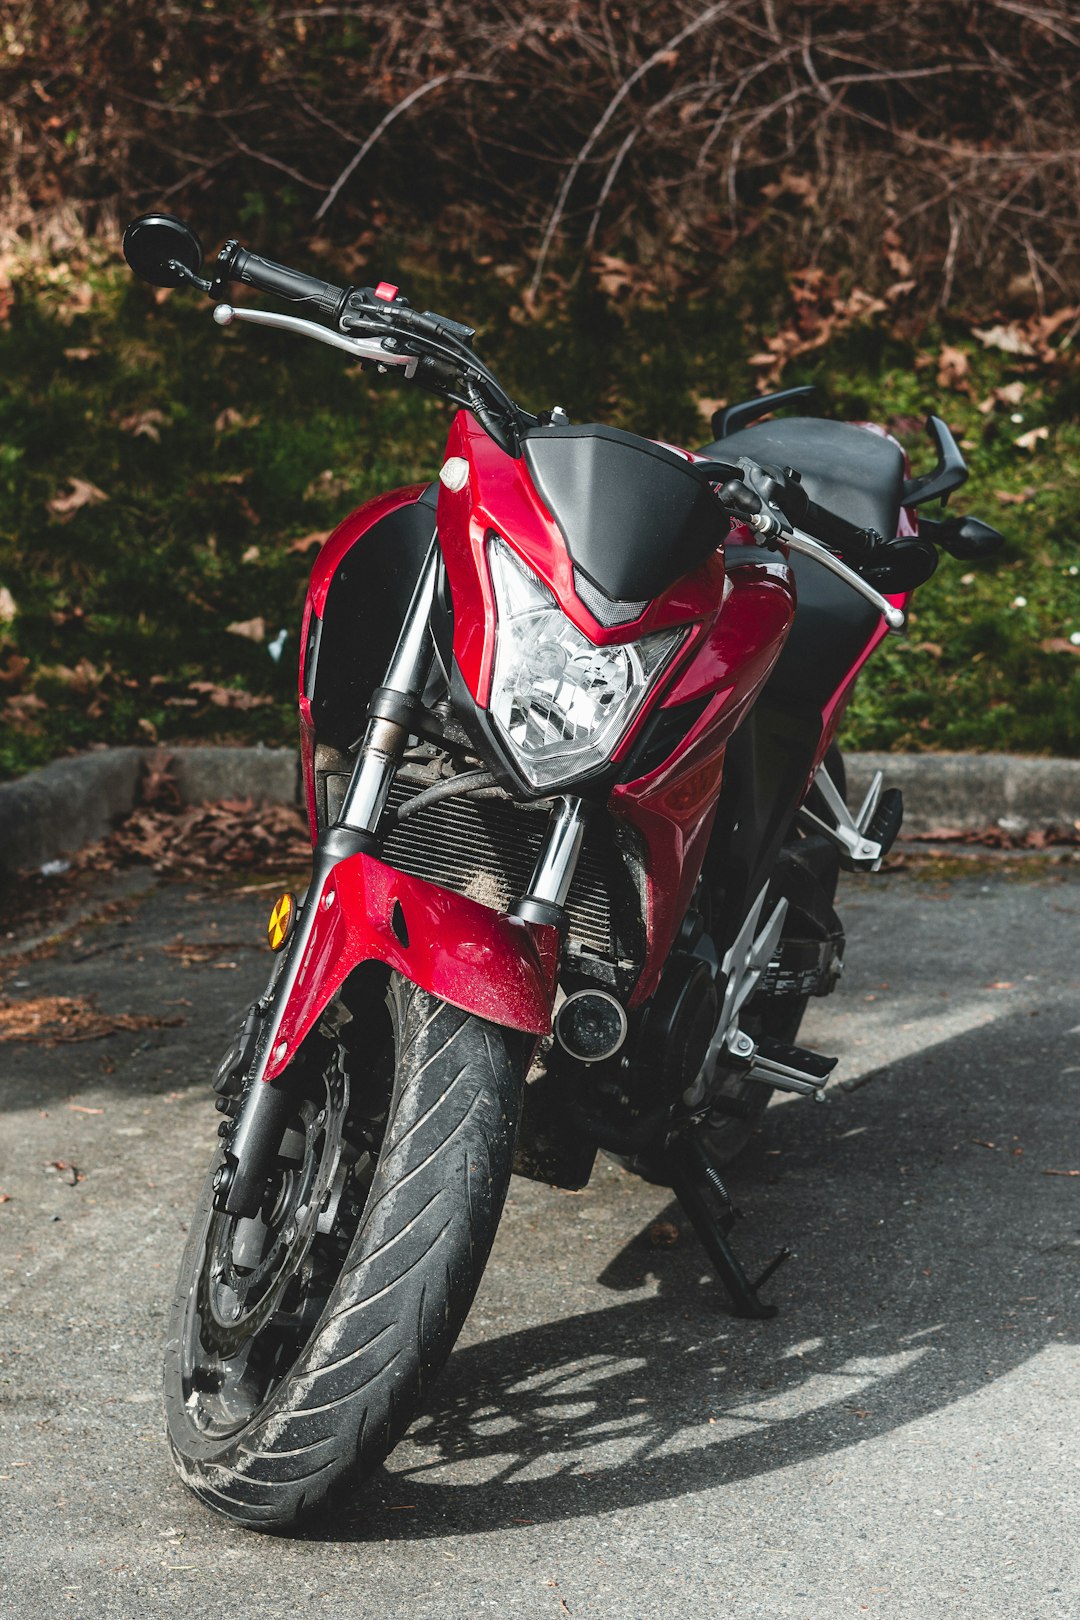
x=256, y=1266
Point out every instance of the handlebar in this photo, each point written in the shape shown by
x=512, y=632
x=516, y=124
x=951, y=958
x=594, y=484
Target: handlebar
x=772, y=501
x=235, y=263
x=436, y=348
x=750, y=489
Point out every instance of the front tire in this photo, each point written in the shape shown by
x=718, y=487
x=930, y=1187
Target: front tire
x=333, y=1348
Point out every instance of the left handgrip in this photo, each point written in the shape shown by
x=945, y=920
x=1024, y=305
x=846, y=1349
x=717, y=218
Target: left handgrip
x=237, y=264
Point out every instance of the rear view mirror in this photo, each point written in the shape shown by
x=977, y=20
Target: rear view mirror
x=154, y=244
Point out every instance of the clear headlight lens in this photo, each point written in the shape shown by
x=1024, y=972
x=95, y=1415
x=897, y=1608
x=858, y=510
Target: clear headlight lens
x=561, y=703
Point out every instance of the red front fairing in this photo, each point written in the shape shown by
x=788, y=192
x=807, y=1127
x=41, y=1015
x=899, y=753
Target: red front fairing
x=739, y=624
x=499, y=497
x=674, y=806
x=497, y=967
x=738, y=615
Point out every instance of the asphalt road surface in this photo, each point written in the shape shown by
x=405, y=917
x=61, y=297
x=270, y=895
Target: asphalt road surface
x=902, y=1440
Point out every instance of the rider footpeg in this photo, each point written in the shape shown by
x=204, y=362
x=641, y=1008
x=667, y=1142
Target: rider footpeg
x=864, y=840
x=791, y=1068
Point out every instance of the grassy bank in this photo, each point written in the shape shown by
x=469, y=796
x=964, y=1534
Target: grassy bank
x=161, y=484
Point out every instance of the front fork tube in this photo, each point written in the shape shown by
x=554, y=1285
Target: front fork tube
x=264, y=1112
x=254, y=1140
x=545, y=899
x=392, y=708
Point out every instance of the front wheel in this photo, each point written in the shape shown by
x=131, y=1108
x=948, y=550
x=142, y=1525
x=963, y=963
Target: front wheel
x=301, y=1341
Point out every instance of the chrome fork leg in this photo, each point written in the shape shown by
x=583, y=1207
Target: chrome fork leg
x=265, y=1107
x=545, y=899
x=390, y=708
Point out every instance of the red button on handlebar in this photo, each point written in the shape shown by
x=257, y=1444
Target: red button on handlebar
x=386, y=291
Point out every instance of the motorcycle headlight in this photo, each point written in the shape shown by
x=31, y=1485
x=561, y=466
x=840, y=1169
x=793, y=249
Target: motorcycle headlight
x=560, y=703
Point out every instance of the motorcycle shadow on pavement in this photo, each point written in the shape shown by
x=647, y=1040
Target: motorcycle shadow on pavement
x=933, y=1256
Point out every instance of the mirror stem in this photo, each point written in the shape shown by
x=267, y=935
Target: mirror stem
x=189, y=275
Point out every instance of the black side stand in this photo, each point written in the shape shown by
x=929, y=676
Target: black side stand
x=698, y=1186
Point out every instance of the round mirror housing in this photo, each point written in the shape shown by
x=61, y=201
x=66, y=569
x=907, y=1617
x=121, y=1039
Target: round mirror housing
x=154, y=242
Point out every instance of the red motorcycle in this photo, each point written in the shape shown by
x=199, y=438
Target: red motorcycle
x=567, y=718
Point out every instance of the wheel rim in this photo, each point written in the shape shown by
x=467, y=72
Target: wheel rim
x=263, y=1282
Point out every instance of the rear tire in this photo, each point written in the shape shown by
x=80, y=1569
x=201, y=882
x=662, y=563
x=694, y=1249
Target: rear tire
x=331, y=1396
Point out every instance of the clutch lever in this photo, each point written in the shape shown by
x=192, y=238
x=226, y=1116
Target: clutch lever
x=749, y=493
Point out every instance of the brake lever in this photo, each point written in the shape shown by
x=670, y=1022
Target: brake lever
x=359, y=348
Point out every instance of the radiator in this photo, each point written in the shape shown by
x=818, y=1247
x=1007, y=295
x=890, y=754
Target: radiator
x=487, y=848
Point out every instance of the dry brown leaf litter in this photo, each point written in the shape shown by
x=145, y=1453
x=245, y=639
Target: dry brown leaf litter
x=233, y=835
x=59, y=1020
x=1002, y=837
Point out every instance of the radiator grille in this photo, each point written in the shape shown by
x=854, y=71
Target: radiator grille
x=487, y=848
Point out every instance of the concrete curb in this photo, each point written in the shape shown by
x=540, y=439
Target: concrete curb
x=56, y=811
x=969, y=792
x=72, y=802
x=266, y=775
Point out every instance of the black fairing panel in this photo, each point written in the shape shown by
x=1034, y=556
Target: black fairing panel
x=769, y=758
x=766, y=767
x=365, y=605
x=832, y=626
x=847, y=469
x=634, y=517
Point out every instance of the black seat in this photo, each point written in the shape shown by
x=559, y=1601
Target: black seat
x=849, y=470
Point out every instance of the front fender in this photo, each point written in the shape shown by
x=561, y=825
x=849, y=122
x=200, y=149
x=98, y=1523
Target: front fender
x=498, y=967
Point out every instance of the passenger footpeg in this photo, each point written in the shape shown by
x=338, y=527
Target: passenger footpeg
x=863, y=840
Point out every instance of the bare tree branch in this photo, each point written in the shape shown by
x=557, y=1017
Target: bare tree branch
x=274, y=163
x=546, y=126
x=601, y=124
x=380, y=129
